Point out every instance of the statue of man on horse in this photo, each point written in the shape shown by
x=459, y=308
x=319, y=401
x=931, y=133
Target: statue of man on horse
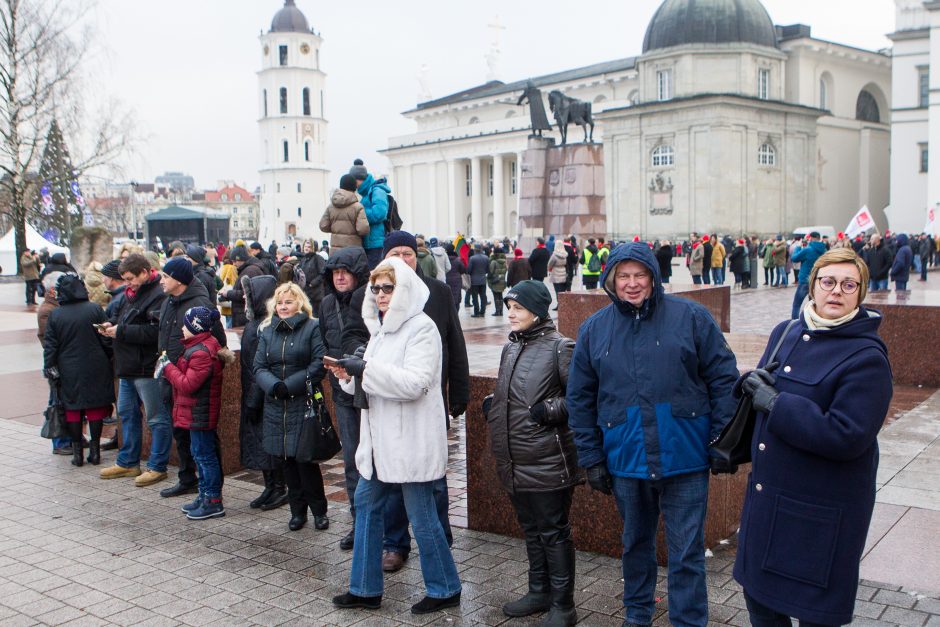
x=568, y=109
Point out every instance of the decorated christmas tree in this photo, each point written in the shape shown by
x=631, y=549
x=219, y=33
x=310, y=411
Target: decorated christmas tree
x=59, y=206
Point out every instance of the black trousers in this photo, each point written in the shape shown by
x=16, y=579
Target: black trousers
x=544, y=514
x=304, y=487
x=498, y=302
x=187, y=471
x=478, y=293
x=543, y=517
x=31, y=291
x=762, y=616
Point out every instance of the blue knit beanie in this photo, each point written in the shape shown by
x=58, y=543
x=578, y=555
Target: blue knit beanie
x=200, y=319
x=179, y=268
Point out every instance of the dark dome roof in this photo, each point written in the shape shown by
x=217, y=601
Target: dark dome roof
x=678, y=22
x=289, y=19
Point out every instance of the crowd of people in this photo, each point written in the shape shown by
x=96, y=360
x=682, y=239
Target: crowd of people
x=630, y=408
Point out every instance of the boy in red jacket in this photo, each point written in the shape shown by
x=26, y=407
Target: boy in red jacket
x=196, y=378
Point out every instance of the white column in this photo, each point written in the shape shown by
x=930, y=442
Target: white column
x=408, y=209
x=476, y=199
x=451, y=221
x=499, y=198
x=432, y=217
x=933, y=134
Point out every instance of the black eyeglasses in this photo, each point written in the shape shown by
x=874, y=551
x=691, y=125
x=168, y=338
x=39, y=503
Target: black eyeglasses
x=848, y=286
x=387, y=288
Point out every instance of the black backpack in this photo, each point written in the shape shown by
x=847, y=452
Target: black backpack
x=393, y=221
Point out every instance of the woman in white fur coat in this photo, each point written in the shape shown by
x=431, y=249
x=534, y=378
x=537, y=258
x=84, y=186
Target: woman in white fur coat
x=402, y=438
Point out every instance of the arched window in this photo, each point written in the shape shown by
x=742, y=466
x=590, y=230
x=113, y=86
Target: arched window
x=634, y=97
x=866, y=107
x=264, y=102
x=283, y=99
x=286, y=150
x=600, y=98
x=306, y=99
x=663, y=155
x=767, y=155
x=823, y=94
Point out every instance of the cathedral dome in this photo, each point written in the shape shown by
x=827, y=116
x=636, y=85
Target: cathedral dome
x=290, y=19
x=679, y=22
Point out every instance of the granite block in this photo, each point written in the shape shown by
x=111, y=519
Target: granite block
x=908, y=319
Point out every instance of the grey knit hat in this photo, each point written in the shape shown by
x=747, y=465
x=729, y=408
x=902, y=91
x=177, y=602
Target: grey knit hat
x=359, y=170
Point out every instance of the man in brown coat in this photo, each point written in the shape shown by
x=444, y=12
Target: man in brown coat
x=345, y=218
x=29, y=263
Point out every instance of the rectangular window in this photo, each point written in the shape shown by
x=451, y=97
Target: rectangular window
x=923, y=86
x=298, y=212
x=282, y=52
x=924, y=158
x=238, y=197
x=235, y=223
x=306, y=151
x=664, y=85
x=763, y=84
x=283, y=99
x=512, y=178
x=489, y=182
x=278, y=190
x=286, y=153
x=298, y=188
x=306, y=100
x=469, y=181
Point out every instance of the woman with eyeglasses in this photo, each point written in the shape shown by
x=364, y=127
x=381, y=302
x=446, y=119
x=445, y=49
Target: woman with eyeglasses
x=814, y=453
x=402, y=437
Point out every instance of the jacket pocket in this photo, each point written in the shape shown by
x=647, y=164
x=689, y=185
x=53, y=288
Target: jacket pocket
x=683, y=435
x=802, y=540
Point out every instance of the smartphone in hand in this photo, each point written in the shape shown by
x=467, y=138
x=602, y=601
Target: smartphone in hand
x=330, y=361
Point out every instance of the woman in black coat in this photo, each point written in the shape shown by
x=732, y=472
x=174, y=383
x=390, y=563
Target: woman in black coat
x=664, y=256
x=290, y=352
x=737, y=262
x=811, y=491
x=78, y=359
x=454, y=277
x=534, y=449
x=258, y=291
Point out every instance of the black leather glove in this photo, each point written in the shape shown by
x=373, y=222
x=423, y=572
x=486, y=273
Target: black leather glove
x=759, y=385
x=722, y=467
x=457, y=409
x=51, y=373
x=539, y=413
x=354, y=366
x=360, y=352
x=600, y=479
x=487, y=405
x=280, y=391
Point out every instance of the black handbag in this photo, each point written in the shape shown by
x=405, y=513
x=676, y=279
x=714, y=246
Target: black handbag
x=733, y=444
x=53, y=426
x=318, y=441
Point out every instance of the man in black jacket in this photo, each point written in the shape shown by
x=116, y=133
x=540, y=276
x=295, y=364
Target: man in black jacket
x=879, y=258
x=133, y=329
x=538, y=259
x=455, y=388
x=183, y=292
x=205, y=274
x=247, y=266
x=345, y=278
x=264, y=258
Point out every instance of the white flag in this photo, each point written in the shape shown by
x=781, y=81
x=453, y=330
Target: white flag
x=931, y=221
x=860, y=223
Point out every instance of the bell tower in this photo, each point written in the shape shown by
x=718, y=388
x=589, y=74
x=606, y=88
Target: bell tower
x=293, y=129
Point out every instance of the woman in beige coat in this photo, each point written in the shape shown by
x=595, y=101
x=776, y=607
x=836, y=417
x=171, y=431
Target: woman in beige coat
x=345, y=218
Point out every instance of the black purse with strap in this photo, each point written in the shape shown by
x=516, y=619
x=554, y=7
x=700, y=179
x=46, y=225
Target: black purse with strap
x=318, y=441
x=733, y=445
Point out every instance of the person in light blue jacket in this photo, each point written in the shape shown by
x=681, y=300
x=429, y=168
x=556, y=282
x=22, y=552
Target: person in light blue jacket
x=374, y=195
x=649, y=387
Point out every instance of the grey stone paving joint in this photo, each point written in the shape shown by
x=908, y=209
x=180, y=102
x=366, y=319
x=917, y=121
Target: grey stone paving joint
x=76, y=550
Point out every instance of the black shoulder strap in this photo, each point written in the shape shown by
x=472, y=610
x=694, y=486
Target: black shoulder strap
x=783, y=336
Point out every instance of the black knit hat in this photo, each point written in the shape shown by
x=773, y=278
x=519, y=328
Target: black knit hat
x=179, y=268
x=240, y=253
x=196, y=253
x=110, y=270
x=533, y=295
x=348, y=182
x=399, y=238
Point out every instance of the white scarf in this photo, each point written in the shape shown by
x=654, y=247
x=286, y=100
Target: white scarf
x=815, y=322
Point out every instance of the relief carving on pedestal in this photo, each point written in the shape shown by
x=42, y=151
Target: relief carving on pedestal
x=660, y=195
x=554, y=178
x=571, y=175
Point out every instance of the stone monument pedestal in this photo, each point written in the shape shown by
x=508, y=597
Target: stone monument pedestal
x=561, y=191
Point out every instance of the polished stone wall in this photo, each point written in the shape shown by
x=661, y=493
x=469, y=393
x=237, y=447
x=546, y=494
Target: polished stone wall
x=909, y=325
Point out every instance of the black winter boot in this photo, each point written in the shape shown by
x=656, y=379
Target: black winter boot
x=561, y=558
x=94, y=446
x=266, y=494
x=298, y=517
x=278, y=496
x=538, y=598
x=75, y=434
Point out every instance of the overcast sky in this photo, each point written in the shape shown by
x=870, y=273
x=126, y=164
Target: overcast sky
x=187, y=67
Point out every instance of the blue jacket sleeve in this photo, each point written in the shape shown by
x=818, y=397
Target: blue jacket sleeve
x=582, y=403
x=718, y=368
x=377, y=210
x=798, y=254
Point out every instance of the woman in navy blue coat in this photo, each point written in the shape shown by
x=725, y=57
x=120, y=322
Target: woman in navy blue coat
x=815, y=453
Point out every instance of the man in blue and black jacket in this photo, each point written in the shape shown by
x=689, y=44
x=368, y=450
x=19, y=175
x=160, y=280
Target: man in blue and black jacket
x=649, y=387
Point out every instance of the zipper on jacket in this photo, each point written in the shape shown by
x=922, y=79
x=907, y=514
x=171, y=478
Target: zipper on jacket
x=563, y=459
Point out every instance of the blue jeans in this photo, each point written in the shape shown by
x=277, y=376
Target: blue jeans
x=397, y=538
x=718, y=276
x=802, y=289
x=348, y=419
x=682, y=500
x=900, y=285
x=706, y=276
x=781, y=276
x=437, y=563
x=58, y=442
x=874, y=286
x=131, y=394
x=202, y=446
x=697, y=279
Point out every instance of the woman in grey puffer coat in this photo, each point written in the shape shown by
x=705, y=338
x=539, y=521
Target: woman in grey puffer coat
x=534, y=449
x=290, y=351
